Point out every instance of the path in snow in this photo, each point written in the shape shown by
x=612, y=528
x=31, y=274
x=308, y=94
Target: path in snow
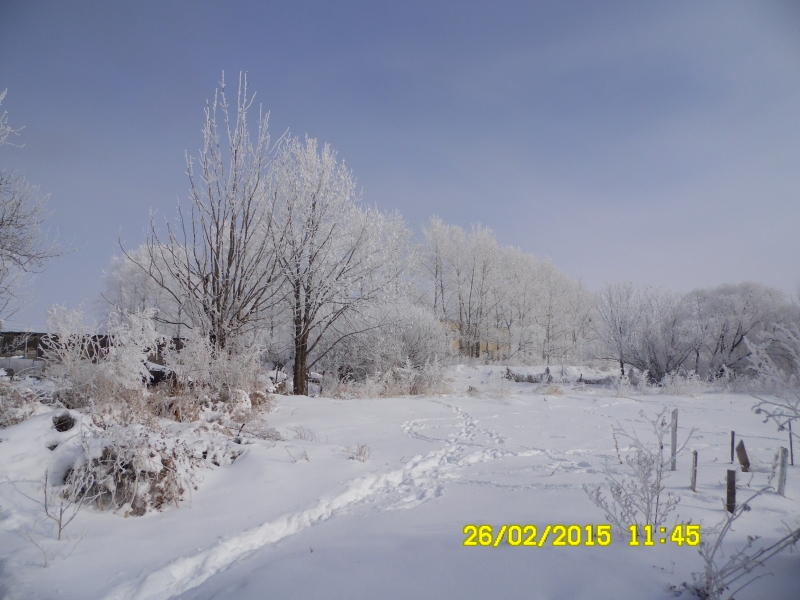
x=421, y=479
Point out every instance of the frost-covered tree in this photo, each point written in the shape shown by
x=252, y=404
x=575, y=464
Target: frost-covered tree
x=218, y=260
x=336, y=257
x=491, y=293
x=6, y=130
x=461, y=278
x=727, y=315
x=665, y=337
x=515, y=314
x=618, y=311
x=475, y=272
x=562, y=313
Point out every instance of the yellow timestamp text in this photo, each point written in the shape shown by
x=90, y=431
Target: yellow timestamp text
x=681, y=534
x=528, y=535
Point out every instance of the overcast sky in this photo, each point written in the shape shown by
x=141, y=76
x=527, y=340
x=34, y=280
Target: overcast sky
x=651, y=142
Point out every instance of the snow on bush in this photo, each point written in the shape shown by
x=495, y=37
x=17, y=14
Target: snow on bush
x=87, y=367
x=387, y=338
x=135, y=469
x=223, y=374
x=16, y=404
x=776, y=362
x=397, y=381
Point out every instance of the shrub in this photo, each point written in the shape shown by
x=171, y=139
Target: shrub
x=398, y=381
x=133, y=468
x=720, y=575
x=15, y=405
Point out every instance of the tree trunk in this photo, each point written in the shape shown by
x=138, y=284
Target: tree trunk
x=300, y=383
x=300, y=386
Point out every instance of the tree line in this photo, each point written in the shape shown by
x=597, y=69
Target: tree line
x=274, y=258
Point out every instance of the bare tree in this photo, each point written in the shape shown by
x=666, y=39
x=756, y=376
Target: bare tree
x=24, y=247
x=218, y=261
x=617, y=316
x=336, y=257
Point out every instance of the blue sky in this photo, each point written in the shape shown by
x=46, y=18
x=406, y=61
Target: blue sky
x=650, y=142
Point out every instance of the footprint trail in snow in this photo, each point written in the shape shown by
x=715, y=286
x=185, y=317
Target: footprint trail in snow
x=421, y=479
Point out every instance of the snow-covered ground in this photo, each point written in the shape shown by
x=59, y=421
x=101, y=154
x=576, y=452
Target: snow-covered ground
x=301, y=519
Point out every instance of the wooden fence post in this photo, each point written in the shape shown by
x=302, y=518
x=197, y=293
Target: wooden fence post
x=741, y=454
x=730, y=503
x=733, y=440
x=694, y=470
x=782, y=472
x=674, y=440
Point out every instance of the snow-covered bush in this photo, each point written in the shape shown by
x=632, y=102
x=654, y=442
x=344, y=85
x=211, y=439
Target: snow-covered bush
x=71, y=350
x=202, y=370
x=134, y=469
x=683, y=383
x=394, y=347
x=366, y=348
x=635, y=382
x=398, y=381
x=16, y=404
x=132, y=337
x=776, y=362
x=359, y=452
x=88, y=367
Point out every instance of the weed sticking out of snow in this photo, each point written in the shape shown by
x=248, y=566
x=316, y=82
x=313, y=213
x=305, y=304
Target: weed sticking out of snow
x=639, y=497
x=303, y=433
x=359, y=452
x=726, y=574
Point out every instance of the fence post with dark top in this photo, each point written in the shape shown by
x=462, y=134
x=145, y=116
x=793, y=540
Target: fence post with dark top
x=730, y=502
x=741, y=454
x=694, y=470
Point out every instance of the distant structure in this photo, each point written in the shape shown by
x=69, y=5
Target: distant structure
x=22, y=344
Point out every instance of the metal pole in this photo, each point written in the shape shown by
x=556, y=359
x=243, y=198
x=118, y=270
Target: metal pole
x=694, y=470
x=733, y=444
x=791, y=446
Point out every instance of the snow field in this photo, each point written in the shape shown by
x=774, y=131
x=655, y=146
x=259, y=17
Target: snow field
x=392, y=527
